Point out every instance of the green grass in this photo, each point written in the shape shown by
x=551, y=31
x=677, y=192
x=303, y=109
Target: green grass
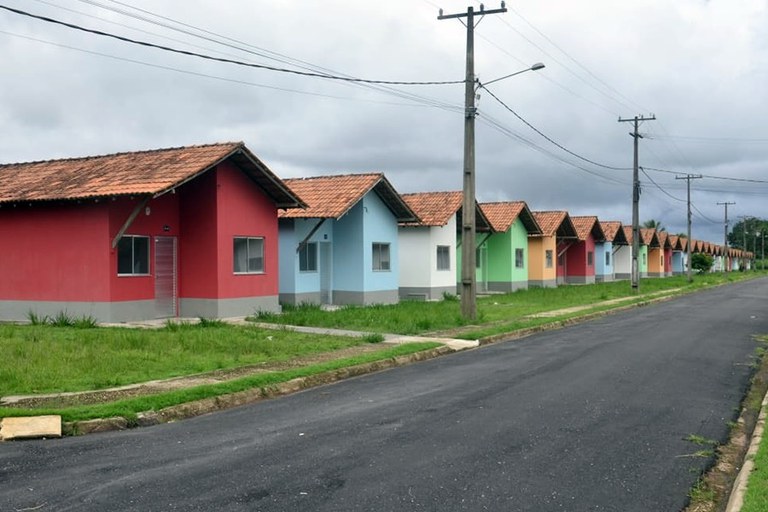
x=496, y=313
x=756, y=499
x=129, y=408
x=46, y=359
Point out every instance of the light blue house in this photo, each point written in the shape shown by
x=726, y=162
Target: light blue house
x=343, y=248
x=679, y=246
x=605, y=250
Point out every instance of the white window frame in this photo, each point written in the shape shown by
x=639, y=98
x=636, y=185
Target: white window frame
x=590, y=259
x=252, y=243
x=607, y=258
x=549, y=258
x=445, y=259
x=132, y=239
x=519, y=257
x=381, y=257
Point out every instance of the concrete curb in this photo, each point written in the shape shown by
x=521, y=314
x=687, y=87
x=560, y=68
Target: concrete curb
x=223, y=402
x=739, y=489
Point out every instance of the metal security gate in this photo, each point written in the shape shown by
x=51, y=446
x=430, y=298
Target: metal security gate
x=165, y=277
x=326, y=297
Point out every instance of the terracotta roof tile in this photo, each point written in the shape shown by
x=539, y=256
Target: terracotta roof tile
x=612, y=229
x=333, y=196
x=555, y=222
x=648, y=237
x=627, y=233
x=586, y=224
x=434, y=208
x=674, y=242
x=663, y=238
x=502, y=214
x=135, y=173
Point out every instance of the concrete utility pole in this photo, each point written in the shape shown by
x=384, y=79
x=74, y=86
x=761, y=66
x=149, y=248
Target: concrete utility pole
x=688, y=178
x=744, y=219
x=725, y=236
x=636, y=201
x=468, y=278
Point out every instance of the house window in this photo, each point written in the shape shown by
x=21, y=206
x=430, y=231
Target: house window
x=380, y=257
x=443, y=257
x=478, y=261
x=133, y=256
x=519, y=263
x=548, y=255
x=249, y=255
x=308, y=257
x=644, y=258
x=607, y=258
x=590, y=258
x=661, y=261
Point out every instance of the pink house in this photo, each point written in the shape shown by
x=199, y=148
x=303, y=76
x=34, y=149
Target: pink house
x=188, y=231
x=580, y=257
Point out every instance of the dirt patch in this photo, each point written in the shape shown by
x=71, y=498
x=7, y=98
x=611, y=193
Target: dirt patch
x=713, y=489
x=214, y=377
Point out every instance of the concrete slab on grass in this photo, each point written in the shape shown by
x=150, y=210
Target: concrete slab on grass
x=32, y=427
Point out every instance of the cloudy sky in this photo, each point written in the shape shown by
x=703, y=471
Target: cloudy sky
x=701, y=67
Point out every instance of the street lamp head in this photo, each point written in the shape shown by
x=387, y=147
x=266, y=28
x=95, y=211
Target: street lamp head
x=537, y=66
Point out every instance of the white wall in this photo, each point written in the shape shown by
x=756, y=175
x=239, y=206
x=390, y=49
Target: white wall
x=418, y=255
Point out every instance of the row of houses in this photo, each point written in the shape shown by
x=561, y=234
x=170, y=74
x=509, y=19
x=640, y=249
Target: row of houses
x=210, y=231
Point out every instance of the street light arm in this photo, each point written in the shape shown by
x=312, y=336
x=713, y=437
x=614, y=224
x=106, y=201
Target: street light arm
x=535, y=67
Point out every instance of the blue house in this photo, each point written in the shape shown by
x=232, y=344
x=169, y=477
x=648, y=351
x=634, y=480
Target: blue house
x=605, y=250
x=342, y=248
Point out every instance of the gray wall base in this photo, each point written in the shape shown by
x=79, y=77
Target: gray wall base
x=295, y=299
x=224, y=308
x=506, y=287
x=542, y=283
x=341, y=297
x=580, y=279
x=425, y=293
x=110, y=312
x=621, y=276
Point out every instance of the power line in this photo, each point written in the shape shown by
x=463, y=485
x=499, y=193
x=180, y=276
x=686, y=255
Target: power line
x=726, y=178
x=590, y=73
x=549, y=138
x=223, y=60
x=220, y=78
x=659, y=186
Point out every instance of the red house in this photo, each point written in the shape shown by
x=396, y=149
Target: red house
x=188, y=231
x=580, y=258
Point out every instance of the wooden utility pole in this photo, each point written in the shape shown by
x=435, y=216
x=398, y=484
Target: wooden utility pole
x=688, y=178
x=636, y=200
x=468, y=278
x=725, y=236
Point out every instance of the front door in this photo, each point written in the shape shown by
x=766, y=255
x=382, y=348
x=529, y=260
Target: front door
x=165, y=277
x=326, y=296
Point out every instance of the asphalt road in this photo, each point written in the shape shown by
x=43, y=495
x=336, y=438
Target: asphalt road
x=592, y=417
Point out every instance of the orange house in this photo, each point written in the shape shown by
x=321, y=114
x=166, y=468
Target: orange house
x=544, y=250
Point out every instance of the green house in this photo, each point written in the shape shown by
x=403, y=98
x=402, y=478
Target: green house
x=502, y=254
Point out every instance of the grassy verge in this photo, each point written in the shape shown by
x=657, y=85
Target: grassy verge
x=496, y=313
x=131, y=407
x=756, y=498
x=45, y=359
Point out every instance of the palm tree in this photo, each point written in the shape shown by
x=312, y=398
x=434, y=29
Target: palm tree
x=654, y=224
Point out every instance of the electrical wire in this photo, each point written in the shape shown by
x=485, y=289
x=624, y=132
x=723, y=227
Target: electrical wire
x=660, y=188
x=223, y=60
x=711, y=176
x=214, y=77
x=529, y=125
